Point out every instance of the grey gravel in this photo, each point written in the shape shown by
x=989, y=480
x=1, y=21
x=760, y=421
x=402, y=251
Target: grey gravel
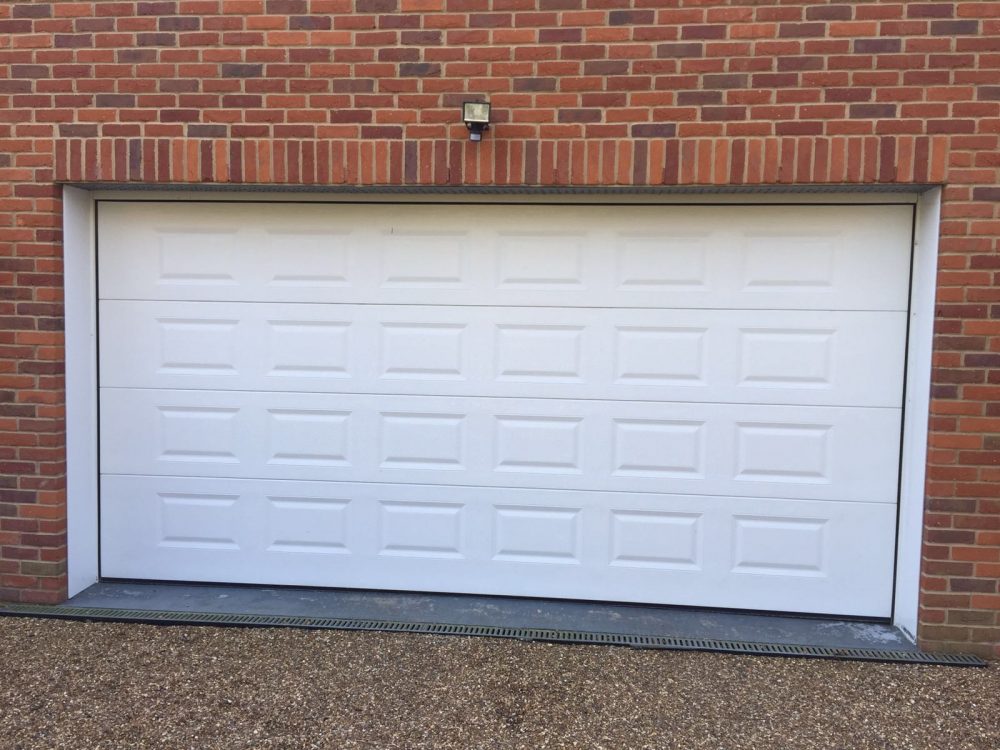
x=101, y=685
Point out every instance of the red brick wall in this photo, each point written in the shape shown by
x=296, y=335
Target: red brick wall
x=585, y=92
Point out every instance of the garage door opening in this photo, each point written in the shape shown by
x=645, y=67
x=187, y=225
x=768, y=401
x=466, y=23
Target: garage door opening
x=685, y=404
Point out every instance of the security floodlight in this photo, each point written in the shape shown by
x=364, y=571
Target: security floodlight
x=477, y=118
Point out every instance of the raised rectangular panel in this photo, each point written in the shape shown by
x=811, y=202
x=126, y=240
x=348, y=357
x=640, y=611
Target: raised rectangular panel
x=539, y=260
x=539, y=353
x=786, y=358
x=422, y=259
x=779, y=546
x=660, y=356
x=660, y=261
x=422, y=350
x=783, y=453
x=779, y=262
x=420, y=529
x=308, y=348
x=308, y=258
x=547, y=445
x=197, y=257
x=655, y=539
x=422, y=441
x=538, y=535
x=192, y=346
x=198, y=521
x=309, y=437
x=658, y=448
x=197, y=433
x=313, y=525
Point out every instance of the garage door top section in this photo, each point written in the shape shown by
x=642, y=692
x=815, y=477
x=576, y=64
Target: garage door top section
x=744, y=257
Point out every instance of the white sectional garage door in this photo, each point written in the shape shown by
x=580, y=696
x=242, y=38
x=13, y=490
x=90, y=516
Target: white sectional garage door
x=696, y=405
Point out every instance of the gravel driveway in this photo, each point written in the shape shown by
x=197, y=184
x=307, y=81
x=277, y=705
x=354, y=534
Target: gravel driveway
x=98, y=685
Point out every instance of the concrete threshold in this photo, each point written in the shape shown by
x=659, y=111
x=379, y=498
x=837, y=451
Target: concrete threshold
x=497, y=611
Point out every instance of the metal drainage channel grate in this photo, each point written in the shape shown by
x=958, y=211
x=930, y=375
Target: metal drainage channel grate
x=525, y=634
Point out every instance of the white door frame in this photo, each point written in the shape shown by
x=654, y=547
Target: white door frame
x=80, y=268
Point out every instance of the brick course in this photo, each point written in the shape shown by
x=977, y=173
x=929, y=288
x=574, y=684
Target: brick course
x=584, y=93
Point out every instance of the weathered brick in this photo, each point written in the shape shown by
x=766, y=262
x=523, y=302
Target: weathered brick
x=721, y=114
x=311, y=23
x=70, y=130
x=289, y=7
x=557, y=36
x=361, y=6
x=115, y=100
x=829, y=13
x=63, y=41
x=680, y=49
x=46, y=569
x=137, y=56
x=654, y=130
x=987, y=194
x=878, y=46
x=199, y=130
x=699, y=97
x=930, y=10
x=631, y=17
x=592, y=114
x=707, y=31
x=8, y=26
x=801, y=29
x=421, y=70
x=31, y=10
x=156, y=8
x=242, y=70
x=954, y=28
x=725, y=80
x=872, y=111
x=534, y=84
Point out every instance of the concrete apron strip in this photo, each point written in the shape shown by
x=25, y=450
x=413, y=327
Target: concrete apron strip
x=669, y=643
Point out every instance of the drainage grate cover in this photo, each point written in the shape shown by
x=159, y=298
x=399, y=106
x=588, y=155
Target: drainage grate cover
x=668, y=643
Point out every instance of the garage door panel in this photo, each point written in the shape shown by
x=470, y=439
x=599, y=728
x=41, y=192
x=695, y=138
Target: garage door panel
x=759, y=356
x=710, y=551
x=760, y=257
x=688, y=404
x=814, y=452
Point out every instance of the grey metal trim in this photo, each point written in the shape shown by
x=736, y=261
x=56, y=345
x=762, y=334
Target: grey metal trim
x=504, y=189
x=524, y=634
